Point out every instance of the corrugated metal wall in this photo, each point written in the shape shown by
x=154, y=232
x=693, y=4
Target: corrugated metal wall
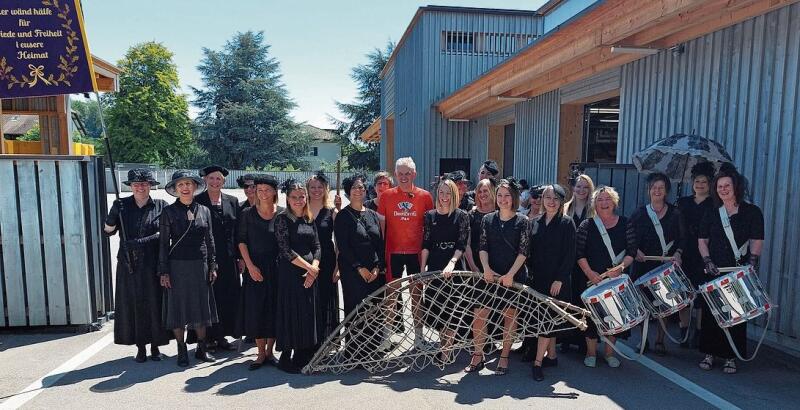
x=738, y=86
x=536, y=138
x=424, y=74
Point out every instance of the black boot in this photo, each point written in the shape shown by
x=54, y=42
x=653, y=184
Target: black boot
x=155, y=354
x=183, y=355
x=200, y=353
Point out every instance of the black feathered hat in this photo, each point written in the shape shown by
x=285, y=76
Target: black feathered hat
x=214, y=168
x=140, y=175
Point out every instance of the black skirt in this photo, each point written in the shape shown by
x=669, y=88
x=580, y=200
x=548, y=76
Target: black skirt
x=137, y=305
x=299, y=321
x=190, y=300
x=713, y=340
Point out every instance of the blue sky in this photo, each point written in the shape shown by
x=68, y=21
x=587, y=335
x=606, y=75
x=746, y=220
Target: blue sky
x=316, y=42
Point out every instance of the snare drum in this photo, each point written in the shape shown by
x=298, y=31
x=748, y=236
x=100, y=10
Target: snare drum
x=665, y=290
x=615, y=304
x=736, y=297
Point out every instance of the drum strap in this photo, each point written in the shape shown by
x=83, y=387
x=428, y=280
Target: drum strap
x=726, y=226
x=615, y=258
x=665, y=247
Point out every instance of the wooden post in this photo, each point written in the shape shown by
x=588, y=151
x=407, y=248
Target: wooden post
x=64, y=140
x=2, y=137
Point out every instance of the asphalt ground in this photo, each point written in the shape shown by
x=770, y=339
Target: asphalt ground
x=69, y=370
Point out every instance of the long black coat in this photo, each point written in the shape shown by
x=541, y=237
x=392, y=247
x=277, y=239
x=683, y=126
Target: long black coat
x=137, y=306
x=227, y=288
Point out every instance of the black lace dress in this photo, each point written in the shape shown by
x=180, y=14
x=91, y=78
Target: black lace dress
x=442, y=236
x=589, y=245
x=299, y=322
x=504, y=241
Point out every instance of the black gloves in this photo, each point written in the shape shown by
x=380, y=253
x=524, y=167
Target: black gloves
x=710, y=267
x=755, y=261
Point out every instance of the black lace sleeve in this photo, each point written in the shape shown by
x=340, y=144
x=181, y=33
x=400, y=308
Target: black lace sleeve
x=282, y=237
x=463, y=230
x=484, y=242
x=426, y=230
x=524, y=238
x=164, y=226
x=581, y=236
x=631, y=244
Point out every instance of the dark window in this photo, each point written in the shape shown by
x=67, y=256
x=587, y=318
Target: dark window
x=495, y=44
x=600, y=130
x=314, y=152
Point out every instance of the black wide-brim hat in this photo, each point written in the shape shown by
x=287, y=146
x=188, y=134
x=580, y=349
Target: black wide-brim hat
x=214, y=168
x=140, y=175
x=266, y=179
x=242, y=178
x=183, y=174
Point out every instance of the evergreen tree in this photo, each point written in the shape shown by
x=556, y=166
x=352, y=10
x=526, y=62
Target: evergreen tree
x=361, y=113
x=148, y=120
x=244, y=119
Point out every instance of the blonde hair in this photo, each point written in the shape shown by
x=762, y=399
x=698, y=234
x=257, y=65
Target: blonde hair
x=569, y=207
x=488, y=183
x=611, y=193
x=306, y=208
x=455, y=199
x=326, y=200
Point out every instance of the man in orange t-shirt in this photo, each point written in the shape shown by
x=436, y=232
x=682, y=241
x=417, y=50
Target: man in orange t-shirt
x=403, y=208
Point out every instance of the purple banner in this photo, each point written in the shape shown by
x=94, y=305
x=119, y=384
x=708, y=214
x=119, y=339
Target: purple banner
x=43, y=49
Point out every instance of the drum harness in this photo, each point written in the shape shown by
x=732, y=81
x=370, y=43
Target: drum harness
x=665, y=247
x=737, y=253
x=616, y=259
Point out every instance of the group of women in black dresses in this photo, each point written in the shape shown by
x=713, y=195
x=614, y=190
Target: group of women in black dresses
x=289, y=301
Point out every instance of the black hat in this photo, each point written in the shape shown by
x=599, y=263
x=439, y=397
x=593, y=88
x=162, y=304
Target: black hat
x=560, y=191
x=213, y=168
x=491, y=166
x=184, y=174
x=536, y=190
x=266, y=179
x=140, y=175
x=242, y=178
x=458, y=176
x=321, y=177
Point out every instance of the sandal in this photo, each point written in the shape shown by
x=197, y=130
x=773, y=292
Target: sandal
x=472, y=368
x=660, y=349
x=501, y=370
x=729, y=367
x=707, y=363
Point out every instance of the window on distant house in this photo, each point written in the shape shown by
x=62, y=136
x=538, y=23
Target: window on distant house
x=314, y=152
x=491, y=44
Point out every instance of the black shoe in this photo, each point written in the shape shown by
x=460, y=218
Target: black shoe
x=155, y=354
x=548, y=362
x=200, y=353
x=223, y=344
x=249, y=340
x=141, y=355
x=286, y=364
x=183, y=355
x=256, y=365
x=472, y=368
x=271, y=361
x=538, y=375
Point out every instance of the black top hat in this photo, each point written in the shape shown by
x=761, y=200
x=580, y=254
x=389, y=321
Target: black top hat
x=183, y=174
x=140, y=175
x=213, y=168
x=242, y=178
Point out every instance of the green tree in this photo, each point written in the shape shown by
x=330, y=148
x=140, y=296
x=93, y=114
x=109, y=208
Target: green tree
x=33, y=134
x=244, y=107
x=361, y=113
x=90, y=116
x=148, y=120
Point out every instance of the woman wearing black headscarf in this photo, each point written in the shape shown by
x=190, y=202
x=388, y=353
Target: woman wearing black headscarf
x=137, y=305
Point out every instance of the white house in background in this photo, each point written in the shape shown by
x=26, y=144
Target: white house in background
x=324, y=147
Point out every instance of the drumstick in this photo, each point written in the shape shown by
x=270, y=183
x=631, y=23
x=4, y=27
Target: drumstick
x=730, y=269
x=604, y=275
x=658, y=258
